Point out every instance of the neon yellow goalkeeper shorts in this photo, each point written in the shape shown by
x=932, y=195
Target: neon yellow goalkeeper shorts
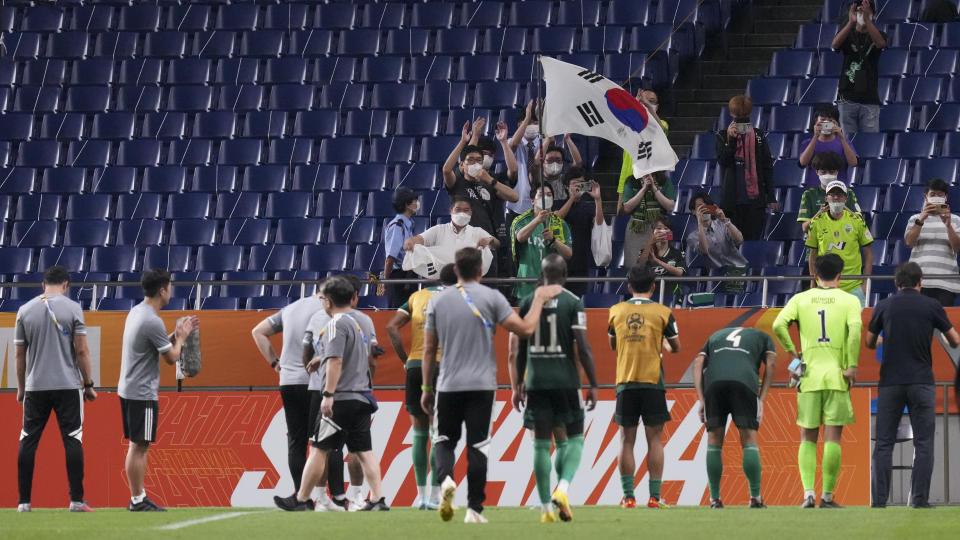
x=824, y=407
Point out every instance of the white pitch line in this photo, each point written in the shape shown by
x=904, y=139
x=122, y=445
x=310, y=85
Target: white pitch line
x=199, y=521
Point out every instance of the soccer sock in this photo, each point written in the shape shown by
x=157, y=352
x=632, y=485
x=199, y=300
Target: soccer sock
x=558, y=459
x=714, y=469
x=807, y=462
x=831, y=466
x=751, y=468
x=420, y=456
x=655, y=488
x=353, y=491
x=571, y=459
x=541, y=468
x=137, y=499
x=626, y=482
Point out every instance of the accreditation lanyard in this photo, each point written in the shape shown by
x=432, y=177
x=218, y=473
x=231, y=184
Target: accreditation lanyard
x=53, y=316
x=472, y=306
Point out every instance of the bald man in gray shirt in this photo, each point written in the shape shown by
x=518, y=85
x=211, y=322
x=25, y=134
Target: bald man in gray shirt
x=461, y=320
x=53, y=374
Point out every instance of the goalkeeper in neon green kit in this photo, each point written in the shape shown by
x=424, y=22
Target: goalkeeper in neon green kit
x=830, y=326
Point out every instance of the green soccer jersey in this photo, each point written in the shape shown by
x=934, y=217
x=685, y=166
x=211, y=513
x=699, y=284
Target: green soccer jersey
x=814, y=198
x=529, y=254
x=845, y=237
x=830, y=325
x=550, y=359
x=735, y=354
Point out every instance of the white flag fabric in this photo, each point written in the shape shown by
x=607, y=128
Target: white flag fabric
x=581, y=101
x=427, y=261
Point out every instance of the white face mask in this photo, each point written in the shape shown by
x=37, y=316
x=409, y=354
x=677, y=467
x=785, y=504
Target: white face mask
x=827, y=178
x=487, y=162
x=531, y=132
x=474, y=169
x=545, y=203
x=836, y=207
x=936, y=200
x=553, y=169
x=460, y=219
x=416, y=207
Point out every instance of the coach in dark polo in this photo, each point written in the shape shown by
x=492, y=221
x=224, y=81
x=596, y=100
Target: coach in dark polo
x=907, y=320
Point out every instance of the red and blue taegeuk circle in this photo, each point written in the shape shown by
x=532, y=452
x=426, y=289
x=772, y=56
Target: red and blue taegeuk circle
x=627, y=109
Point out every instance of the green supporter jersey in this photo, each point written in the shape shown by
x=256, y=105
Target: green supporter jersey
x=735, y=354
x=649, y=209
x=830, y=326
x=550, y=359
x=814, y=198
x=845, y=237
x=529, y=254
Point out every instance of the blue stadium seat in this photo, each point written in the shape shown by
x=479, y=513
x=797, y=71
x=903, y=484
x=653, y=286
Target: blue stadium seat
x=913, y=36
x=23, y=45
x=362, y=42
x=936, y=62
x=290, y=152
x=884, y=172
x=421, y=122
x=432, y=16
x=343, y=203
x=88, y=206
x=44, y=72
x=62, y=126
x=214, y=179
x=190, y=98
x=178, y=304
x=243, y=204
x=552, y=41
x=951, y=36
x=114, y=180
x=928, y=169
x=16, y=127
x=394, y=96
x=951, y=145
x=704, y=146
x=17, y=180
x=914, y=145
x=367, y=177
x=430, y=68
x=219, y=258
x=920, y=90
x=139, y=153
x=140, y=18
x=334, y=69
x=896, y=63
x=897, y=252
x=115, y=304
x=245, y=231
x=237, y=71
x=444, y=95
x=885, y=225
x=188, y=206
x=479, y=68
x=870, y=145
x=87, y=233
x=262, y=44
x=14, y=260
x=392, y=150
x=214, y=125
x=586, y=13
x=868, y=197
x=287, y=205
x=240, y=152
x=943, y=117
x=24, y=294
x=92, y=72
x=380, y=205
x=37, y=98
x=189, y=71
x=139, y=232
x=166, y=179
x=792, y=118
x=768, y=91
x=267, y=303
x=88, y=153
x=91, y=19
x=313, y=178
x=168, y=125
x=324, y=258
x=815, y=36
x=238, y=17
x=352, y=230
x=310, y=43
x=62, y=180
x=243, y=291
x=365, y=123
x=287, y=16
x=117, y=45
x=629, y=12
x=782, y=226
x=791, y=63
x=72, y=258
x=457, y=41
x=172, y=258
x=38, y=207
x=265, y=178
x=291, y=97
x=138, y=206
x=165, y=44
x=113, y=126
x=40, y=18
x=342, y=96
x=192, y=17
x=335, y=16
x=222, y=303
x=692, y=172
x=816, y=91
x=789, y=199
x=896, y=117
x=240, y=98
x=141, y=72
x=192, y=232
x=299, y=231
x=307, y=283
x=341, y=150
x=904, y=199
x=286, y=70
x=369, y=257
x=272, y=258
x=265, y=124
x=419, y=176
x=501, y=95
x=33, y=234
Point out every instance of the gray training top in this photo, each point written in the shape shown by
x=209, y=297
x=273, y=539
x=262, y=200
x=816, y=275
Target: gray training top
x=317, y=325
x=144, y=339
x=345, y=338
x=292, y=321
x=468, y=359
x=51, y=363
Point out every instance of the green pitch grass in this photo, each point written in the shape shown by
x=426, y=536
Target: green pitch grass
x=594, y=523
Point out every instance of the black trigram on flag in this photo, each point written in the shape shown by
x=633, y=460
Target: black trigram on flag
x=645, y=150
x=590, y=76
x=590, y=114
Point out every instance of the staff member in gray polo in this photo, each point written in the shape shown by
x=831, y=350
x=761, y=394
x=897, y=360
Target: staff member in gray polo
x=145, y=340
x=907, y=320
x=53, y=364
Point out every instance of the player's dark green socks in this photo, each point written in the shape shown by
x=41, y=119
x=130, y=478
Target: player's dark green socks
x=714, y=469
x=571, y=459
x=831, y=467
x=626, y=481
x=655, y=488
x=807, y=462
x=542, y=468
x=561, y=454
x=751, y=468
x=419, y=452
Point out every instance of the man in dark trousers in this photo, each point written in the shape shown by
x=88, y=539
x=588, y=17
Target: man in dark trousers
x=907, y=321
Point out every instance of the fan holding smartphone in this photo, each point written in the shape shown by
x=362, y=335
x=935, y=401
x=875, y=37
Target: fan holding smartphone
x=926, y=232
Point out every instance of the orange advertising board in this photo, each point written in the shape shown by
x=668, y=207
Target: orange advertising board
x=229, y=449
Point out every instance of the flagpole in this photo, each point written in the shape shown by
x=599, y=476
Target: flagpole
x=543, y=153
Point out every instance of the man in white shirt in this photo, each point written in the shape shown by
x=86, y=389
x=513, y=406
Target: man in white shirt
x=932, y=236
x=444, y=240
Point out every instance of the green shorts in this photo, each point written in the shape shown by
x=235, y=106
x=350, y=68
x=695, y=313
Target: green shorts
x=547, y=409
x=824, y=407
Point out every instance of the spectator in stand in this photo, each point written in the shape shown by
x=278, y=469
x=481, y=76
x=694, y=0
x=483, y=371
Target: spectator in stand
x=827, y=137
x=581, y=214
x=447, y=238
x=406, y=203
x=555, y=168
x=537, y=233
x=644, y=200
x=746, y=169
x=839, y=230
x=525, y=144
x=716, y=239
x=649, y=99
x=933, y=236
x=662, y=258
x=861, y=43
x=826, y=165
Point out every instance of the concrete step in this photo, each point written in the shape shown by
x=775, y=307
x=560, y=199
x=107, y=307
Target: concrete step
x=683, y=138
x=751, y=54
x=759, y=40
x=705, y=95
x=729, y=82
x=691, y=123
x=696, y=109
x=778, y=26
x=735, y=67
x=787, y=12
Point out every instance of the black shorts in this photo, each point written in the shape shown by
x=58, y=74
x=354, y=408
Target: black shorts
x=139, y=419
x=547, y=409
x=731, y=398
x=413, y=392
x=352, y=427
x=67, y=404
x=636, y=403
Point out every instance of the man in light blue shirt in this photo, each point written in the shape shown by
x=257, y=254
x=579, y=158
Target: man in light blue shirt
x=406, y=203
